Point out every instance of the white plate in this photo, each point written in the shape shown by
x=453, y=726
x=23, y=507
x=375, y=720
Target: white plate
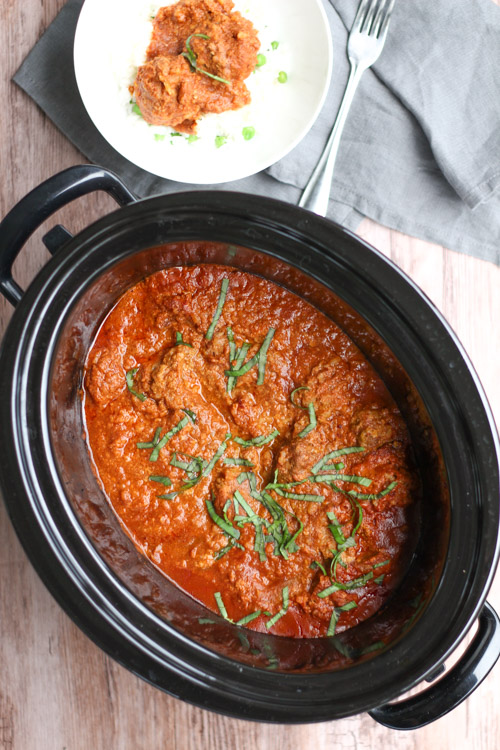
x=111, y=41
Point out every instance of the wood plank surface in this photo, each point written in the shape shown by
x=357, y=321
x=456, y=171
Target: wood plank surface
x=60, y=692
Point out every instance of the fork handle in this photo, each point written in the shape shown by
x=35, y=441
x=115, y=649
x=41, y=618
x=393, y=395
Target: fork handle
x=317, y=191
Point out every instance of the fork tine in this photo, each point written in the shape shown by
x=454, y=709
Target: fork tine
x=383, y=17
x=370, y=15
x=360, y=15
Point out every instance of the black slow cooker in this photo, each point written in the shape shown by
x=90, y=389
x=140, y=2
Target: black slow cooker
x=118, y=597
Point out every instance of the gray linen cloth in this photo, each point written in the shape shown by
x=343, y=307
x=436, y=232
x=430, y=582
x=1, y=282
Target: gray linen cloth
x=421, y=148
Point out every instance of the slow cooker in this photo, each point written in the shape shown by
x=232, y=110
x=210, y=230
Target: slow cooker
x=117, y=596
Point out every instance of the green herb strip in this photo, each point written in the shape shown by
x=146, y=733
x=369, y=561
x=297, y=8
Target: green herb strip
x=263, y=356
x=162, y=443
x=363, y=481
x=220, y=452
x=335, y=616
x=190, y=56
x=259, y=358
x=239, y=358
x=226, y=527
x=278, y=532
x=356, y=583
x=320, y=566
x=292, y=394
x=231, y=545
x=154, y=442
x=129, y=379
x=221, y=606
x=249, y=618
x=238, y=462
x=238, y=500
x=198, y=468
x=218, y=311
x=170, y=496
x=299, y=496
x=232, y=345
x=312, y=421
x=334, y=454
x=179, y=341
x=250, y=477
x=373, y=647
x=257, y=441
x=165, y=481
x=283, y=610
x=376, y=496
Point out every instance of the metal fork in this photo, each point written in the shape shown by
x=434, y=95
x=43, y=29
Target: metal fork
x=364, y=45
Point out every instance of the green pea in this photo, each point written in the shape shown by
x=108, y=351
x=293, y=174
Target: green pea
x=248, y=133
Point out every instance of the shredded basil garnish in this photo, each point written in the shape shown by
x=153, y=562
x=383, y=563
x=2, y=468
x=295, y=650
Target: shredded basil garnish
x=263, y=356
x=335, y=616
x=277, y=530
x=298, y=496
x=283, y=610
x=226, y=527
x=162, y=443
x=162, y=480
x=376, y=496
x=257, y=441
x=232, y=345
x=154, y=442
x=249, y=618
x=239, y=358
x=218, y=311
x=334, y=454
x=129, y=379
x=238, y=462
x=363, y=481
x=240, y=500
x=260, y=357
x=219, y=452
x=300, y=388
x=231, y=545
x=320, y=566
x=356, y=583
x=169, y=496
x=374, y=647
x=179, y=341
x=221, y=606
x=312, y=421
x=190, y=56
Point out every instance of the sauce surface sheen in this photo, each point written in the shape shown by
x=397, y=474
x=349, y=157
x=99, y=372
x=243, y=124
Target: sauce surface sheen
x=159, y=403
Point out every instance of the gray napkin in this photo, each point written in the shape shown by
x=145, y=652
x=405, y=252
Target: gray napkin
x=421, y=147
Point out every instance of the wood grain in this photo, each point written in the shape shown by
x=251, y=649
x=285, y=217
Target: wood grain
x=57, y=690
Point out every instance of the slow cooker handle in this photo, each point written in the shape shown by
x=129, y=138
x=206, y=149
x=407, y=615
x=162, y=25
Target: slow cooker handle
x=40, y=203
x=457, y=684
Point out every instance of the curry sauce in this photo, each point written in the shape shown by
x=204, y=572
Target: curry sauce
x=251, y=451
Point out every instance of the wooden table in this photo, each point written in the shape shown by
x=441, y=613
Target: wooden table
x=58, y=690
